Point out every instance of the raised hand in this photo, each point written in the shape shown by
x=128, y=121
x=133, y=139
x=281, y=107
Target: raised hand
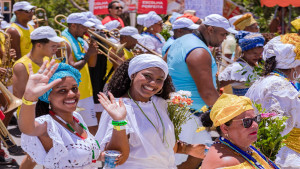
x=37, y=83
x=116, y=111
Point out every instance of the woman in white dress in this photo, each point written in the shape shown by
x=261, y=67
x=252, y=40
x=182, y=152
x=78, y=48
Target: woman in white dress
x=148, y=140
x=240, y=71
x=151, y=37
x=59, y=139
x=276, y=92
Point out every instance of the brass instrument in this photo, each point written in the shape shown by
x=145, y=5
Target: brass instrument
x=149, y=50
x=41, y=16
x=7, y=60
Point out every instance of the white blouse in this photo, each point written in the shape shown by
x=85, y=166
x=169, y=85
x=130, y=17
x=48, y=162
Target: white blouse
x=68, y=151
x=274, y=93
x=234, y=72
x=146, y=147
x=153, y=43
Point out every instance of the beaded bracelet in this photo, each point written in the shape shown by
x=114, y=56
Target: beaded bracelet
x=119, y=123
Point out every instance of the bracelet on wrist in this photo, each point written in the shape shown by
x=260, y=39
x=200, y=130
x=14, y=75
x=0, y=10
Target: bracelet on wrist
x=119, y=128
x=119, y=123
x=27, y=102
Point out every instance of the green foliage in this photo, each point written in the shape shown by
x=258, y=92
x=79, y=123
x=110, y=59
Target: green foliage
x=269, y=140
x=264, y=14
x=257, y=72
x=166, y=31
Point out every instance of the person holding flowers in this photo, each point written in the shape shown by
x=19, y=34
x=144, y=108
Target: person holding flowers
x=236, y=122
x=276, y=91
x=61, y=138
x=147, y=140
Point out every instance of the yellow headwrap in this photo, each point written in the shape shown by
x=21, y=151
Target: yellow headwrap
x=227, y=107
x=244, y=21
x=296, y=23
x=294, y=39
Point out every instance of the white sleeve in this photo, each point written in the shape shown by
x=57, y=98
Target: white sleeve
x=235, y=71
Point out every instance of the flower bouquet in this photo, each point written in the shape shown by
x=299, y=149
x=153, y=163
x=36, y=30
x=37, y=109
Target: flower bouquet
x=179, y=110
x=269, y=139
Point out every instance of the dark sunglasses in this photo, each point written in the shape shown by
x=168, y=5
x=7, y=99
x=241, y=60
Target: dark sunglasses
x=247, y=122
x=118, y=7
x=27, y=11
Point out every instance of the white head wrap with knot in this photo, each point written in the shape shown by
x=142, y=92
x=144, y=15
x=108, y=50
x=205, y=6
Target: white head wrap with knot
x=150, y=19
x=283, y=52
x=145, y=61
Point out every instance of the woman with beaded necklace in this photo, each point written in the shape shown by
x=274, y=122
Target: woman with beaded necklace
x=59, y=139
x=148, y=140
x=277, y=91
x=235, y=120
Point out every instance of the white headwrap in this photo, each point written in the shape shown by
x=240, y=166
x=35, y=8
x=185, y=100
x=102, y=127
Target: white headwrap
x=285, y=55
x=150, y=19
x=140, y=19
x=112, y=25
x=145, y=61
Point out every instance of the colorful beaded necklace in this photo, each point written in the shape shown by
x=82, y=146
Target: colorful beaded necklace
x=279, y=73
x=75, y=132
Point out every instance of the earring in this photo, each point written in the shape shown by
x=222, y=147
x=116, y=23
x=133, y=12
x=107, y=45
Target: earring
x=49, y=106
x=160, y=92
x=151, y=29
x=226, y=135
x=295, y=75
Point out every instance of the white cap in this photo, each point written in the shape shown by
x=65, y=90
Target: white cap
x=184, y=23
x=24, y=5
x=45, y=32
x=218, y=21
x=130, y=31
x=97, y=22
x=5, y=25
x=89, y=15
x=112, y=25
x=79, y=18
x=233, y=19
x=150, y=19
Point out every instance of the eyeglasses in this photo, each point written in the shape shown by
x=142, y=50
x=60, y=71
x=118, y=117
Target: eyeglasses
x=247, y=122
x=118, y=7
x=27, y=11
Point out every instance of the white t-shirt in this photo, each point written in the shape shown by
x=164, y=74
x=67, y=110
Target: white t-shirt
x=146, y=147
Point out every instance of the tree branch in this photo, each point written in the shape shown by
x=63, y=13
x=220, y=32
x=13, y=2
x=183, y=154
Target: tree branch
x=77, y=6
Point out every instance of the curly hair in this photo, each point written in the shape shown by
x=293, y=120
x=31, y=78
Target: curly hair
x=269, y=66
x=120, y=83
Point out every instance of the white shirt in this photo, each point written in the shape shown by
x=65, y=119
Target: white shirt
x=146, y=147
x=153, y=43
x=68, y=151
x=274, y=93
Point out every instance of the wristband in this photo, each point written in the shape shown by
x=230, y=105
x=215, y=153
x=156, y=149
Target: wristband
x=119, y=123
x=119, y=128
x=26, y=102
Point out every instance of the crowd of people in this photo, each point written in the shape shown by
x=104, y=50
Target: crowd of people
x=100, y=85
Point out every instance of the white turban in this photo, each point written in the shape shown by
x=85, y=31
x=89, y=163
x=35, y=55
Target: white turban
x=112, y=25
x=145, y=61
x=283, y=52
x=150, y=19
x=140, y=19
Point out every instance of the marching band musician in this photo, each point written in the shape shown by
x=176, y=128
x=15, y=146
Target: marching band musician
x=82, y=59
x=20, y=30
x=151, y=37
x=112, y=25
x=180, y=27
x=44, y=45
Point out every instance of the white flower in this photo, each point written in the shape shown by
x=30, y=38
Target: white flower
x=185, y=93
x=173, y=94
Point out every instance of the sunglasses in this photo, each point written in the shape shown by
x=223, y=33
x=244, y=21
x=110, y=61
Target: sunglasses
x=118, y=7
x=247, y=122
x=27, y=11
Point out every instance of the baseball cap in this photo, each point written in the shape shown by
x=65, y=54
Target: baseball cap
x=97, y=22
x=24, y=5
x=219, y=21
x=130, y=31
x=184, y=23
x=79, y=18
x=5, y=25
x=45, y=32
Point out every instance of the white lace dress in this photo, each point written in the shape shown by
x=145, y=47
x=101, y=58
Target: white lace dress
x=235, y=71
x=275, y=93
x=68, y=151
x=147, y=151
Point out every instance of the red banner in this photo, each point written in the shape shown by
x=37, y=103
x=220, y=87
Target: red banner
x=159, y=6
x=230, y=9
x=100, y=7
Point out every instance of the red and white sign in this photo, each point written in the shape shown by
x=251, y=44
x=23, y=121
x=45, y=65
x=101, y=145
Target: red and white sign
x=100, y=7
x=159, y=6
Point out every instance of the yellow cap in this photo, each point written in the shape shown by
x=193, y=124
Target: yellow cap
x=244, y=21
x=227, y=107
x=296, y=23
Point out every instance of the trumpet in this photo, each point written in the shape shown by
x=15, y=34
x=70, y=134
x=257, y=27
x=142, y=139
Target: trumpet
x=41, y=15
x=7, y=60
x=149, y=50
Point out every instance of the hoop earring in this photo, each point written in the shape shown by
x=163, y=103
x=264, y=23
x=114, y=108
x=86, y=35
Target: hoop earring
x=160, y=92
x=295, y=75
x=226, y=135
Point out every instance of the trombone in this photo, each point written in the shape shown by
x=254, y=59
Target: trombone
x=41, y=14
x=116, y=47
